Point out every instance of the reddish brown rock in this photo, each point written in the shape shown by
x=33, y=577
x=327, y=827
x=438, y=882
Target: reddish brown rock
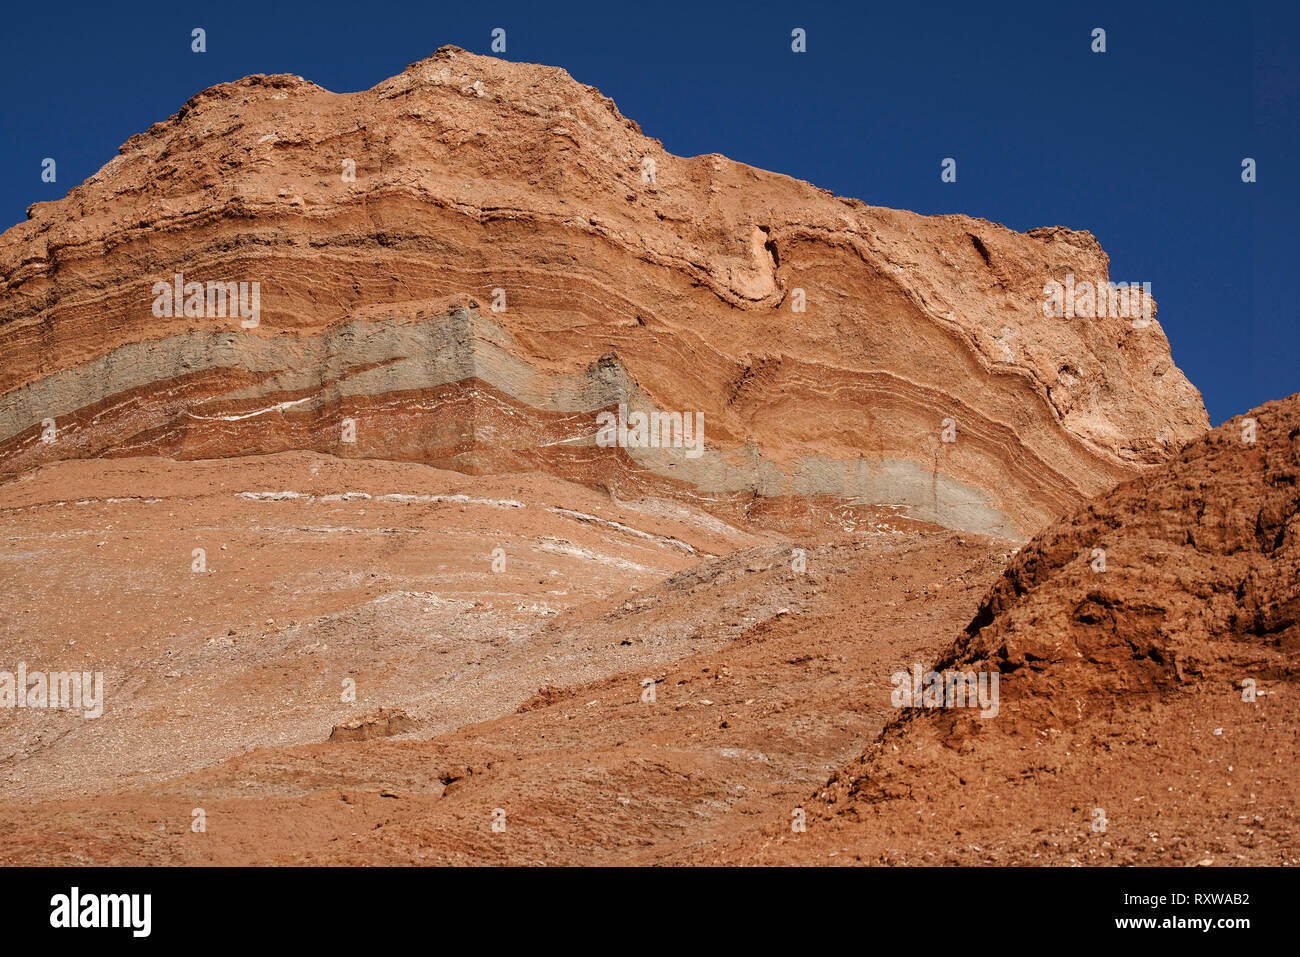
x=383, y=723
x=1148, y=651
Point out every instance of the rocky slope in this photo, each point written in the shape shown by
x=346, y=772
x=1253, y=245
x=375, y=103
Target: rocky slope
x=529, y=686
x=1148, y=648
x=226, y=602
x=466, y=264
x=1147, y=709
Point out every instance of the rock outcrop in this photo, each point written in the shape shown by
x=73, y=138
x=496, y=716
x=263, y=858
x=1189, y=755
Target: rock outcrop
x=383, y=723
x=1147, y=649
x=1157, y=584
x=465, y=265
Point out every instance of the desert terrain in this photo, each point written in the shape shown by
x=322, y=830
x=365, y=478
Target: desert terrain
x=365, y=585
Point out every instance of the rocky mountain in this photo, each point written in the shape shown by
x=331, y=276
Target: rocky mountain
x=445, y=473
x=467, y=264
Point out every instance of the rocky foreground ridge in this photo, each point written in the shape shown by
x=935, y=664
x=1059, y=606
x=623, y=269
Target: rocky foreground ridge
x=1148, y=650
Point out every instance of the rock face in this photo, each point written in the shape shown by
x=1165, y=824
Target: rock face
x=465, y=265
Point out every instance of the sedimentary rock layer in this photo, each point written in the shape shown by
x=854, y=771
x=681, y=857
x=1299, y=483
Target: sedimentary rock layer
x=472, y=260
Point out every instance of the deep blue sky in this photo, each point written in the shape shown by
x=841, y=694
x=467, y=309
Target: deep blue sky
x=1141, y=145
